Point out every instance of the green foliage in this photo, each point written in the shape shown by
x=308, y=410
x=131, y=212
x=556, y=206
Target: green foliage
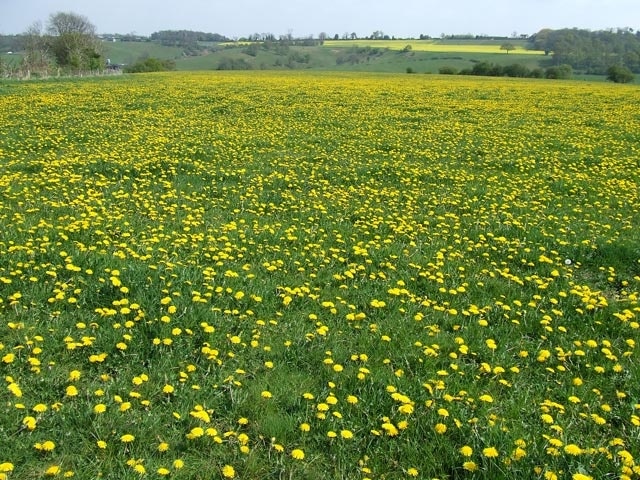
x=620, y=74
x=591, y=51
x=185, y=38
x=229, y=63
x=508, y=46
x=562, y=72
x=494, y=70
x=356, y=55
x=447, y=70
x=151, y=64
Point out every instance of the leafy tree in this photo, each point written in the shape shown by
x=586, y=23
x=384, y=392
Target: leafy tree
x=620, y=74
x=508, y=46
x=73, y=42
x=590, y=51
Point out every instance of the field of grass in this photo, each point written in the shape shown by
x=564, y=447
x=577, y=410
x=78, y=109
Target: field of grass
x=319, y=276
x=129, y=52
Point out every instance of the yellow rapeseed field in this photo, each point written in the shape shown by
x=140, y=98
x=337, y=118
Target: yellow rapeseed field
x=429, y=46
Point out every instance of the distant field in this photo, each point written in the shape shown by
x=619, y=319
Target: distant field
x=129, y=52
x=434, y=46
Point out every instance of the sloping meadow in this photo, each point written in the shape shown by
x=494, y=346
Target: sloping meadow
x=263, y=275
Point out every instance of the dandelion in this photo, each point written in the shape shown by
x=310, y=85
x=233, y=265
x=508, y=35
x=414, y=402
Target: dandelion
x=266, y=394
x=127, y=438
x=412, y=472
x=297, y=454
x=228, y=471
x=196, y=432
x=346, y=434
x=581, y=476
x=466, y=451
x=168, y=389
x=53, y=470
x=440, y=428
x=162, y=471
x=178, y=464
x=47, y=446
x=490, y=452
x=71, y=391
x=139, y=468
x=573, y=449
x=470, y=466
x=29, y=422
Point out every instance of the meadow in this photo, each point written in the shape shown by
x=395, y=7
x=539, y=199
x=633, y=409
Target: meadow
x=319, y=276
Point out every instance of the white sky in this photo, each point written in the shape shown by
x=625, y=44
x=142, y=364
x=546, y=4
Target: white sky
x=400, y=18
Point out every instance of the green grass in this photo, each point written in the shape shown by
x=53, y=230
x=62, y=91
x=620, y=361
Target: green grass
x=402, y=265
x=130, y=52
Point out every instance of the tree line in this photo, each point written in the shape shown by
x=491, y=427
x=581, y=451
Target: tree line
x=516, y=70
x=67, y=42
x=593, y=52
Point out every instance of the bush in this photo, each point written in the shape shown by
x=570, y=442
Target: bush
x=563, y=72
x=234, y=64
x=620, y=74
x=151, y=64
x=517, y=70
x=446, y=70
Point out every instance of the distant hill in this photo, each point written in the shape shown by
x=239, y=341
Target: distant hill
x=585, y=52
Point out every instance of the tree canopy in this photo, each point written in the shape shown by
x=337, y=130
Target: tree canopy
x=69, y=42
x=591, y=51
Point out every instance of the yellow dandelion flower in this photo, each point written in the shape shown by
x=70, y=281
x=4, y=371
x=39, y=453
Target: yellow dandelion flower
x=53, y=470
x=470, y=466
x=297, y=454
x=490, y=452
x=228, y=471
x=573, y=449
x=466, y=451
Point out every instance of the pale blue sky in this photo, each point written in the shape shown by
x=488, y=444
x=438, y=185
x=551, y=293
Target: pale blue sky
x=400, y=18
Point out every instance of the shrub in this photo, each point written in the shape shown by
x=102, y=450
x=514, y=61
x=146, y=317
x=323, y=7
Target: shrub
x=619, y=74
x=447, y=70
x=151, y=64
x=562, y=72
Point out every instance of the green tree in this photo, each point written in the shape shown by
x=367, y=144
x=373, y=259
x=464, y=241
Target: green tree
x=508, y=46
x=73, y=41
x=620, y=74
